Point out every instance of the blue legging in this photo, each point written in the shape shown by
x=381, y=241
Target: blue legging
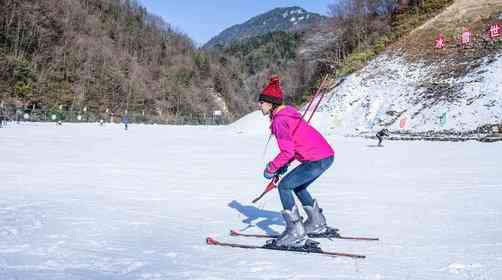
x=299, y=179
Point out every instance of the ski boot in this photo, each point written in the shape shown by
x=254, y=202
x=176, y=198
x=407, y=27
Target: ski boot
x=316, y=225
x=294, y=236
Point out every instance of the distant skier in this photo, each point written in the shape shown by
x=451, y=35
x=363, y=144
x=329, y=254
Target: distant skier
x=296, y=140
x=381, y=134
x=125, y=120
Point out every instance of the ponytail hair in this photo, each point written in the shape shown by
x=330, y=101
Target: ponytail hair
x=271, y=114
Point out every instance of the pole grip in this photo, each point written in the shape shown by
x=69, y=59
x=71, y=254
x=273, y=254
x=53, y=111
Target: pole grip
x=272, y=185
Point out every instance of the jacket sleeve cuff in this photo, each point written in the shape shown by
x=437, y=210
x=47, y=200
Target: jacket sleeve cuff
x=271, y=168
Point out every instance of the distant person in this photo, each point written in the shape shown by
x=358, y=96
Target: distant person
x=296, y=140
x=18, y=115
x=125, y=121
x=101, y=122
x=381, y=134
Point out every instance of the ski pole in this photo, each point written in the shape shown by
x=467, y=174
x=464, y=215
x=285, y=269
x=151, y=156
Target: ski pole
x=315, y=108
x=322, y=85
x=272, y=185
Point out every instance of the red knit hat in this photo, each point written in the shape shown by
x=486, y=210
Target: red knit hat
x=272, y=92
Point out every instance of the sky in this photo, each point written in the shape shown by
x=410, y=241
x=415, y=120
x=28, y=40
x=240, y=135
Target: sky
x=202, y=20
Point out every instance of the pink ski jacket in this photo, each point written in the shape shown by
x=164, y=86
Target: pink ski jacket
x=306, y=144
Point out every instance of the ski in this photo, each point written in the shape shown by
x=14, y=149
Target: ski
x=332, y=234
x=315, y=250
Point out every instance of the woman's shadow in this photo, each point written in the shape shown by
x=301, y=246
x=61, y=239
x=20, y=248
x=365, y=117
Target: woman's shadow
x=253, y=213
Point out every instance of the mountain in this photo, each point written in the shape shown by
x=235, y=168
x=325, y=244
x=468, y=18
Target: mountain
x=290, y=19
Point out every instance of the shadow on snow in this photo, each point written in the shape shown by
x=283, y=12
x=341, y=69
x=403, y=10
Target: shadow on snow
x=266, y=218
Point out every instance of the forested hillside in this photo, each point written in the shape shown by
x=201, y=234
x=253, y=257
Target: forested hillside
x=109, y=56
x=277, y=53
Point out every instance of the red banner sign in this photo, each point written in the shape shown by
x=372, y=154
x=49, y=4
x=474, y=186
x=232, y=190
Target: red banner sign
x=440, y=43
x=465, y=38
x=402, y=122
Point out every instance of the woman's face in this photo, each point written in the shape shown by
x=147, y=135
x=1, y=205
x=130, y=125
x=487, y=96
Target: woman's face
x=265, y=107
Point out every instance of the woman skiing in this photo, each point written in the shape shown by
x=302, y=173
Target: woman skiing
x=296, y=140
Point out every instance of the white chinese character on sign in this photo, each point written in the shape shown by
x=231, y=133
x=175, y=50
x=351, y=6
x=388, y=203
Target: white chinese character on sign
x=495, y=30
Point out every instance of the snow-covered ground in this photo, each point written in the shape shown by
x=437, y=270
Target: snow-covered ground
x=390, y=90
x=80, y=201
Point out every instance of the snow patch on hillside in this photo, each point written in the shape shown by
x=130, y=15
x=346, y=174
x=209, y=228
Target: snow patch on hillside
x=252, y=123
x=391, y=92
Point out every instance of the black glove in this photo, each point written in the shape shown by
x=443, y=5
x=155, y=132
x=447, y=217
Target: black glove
x=268, y=175
x=282, y=170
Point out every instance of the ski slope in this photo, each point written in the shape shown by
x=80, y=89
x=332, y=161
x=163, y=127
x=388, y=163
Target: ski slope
x=80, y=201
